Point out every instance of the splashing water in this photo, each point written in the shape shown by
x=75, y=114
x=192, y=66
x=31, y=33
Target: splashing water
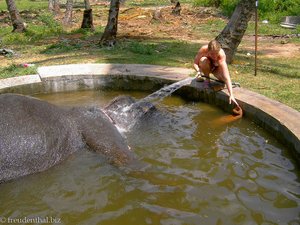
x=165, y=91
x=127, y=112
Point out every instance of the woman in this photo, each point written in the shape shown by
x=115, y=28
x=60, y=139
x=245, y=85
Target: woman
x=211, y=58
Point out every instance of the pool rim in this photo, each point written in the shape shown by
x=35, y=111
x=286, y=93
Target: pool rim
x=278, y=119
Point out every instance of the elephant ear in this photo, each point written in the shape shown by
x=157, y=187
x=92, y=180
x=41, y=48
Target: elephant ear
x=100, y=134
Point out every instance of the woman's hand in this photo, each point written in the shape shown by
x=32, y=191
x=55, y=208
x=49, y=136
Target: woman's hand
x=199, y=74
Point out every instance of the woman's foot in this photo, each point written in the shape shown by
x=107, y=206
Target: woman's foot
x=199, y=79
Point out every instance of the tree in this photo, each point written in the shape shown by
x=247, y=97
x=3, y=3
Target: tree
x=216, y=3
x=177, y=8
x=110, y=32
x=68, y=14
x=17, y=22
x=87, y=21
x=53, y=6
x=232, y=34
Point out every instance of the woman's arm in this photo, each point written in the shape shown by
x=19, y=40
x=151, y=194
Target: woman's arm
x=196, y=60
x=227, y=79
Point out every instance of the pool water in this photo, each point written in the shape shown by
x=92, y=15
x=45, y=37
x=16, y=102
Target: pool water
x=193, y=168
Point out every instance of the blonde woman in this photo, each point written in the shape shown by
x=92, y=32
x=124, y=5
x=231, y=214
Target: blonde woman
x=211, y=58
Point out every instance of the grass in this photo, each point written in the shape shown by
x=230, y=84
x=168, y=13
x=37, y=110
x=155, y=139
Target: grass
x=26, y=4
x=157, y=52
x=47, y=43
x=143, y=3
x=270, y=29
x=14, y=70
x=42, y=4
x=276, y=78
x=212, y=27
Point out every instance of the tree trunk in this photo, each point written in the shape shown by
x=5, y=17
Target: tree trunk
x=53, y=6
x=216, y=3
x=110, y=32
x=87, y=4
x=232, y=34
x=68, y=14
x=87, y=21
x=17, y=22
x=177, y=8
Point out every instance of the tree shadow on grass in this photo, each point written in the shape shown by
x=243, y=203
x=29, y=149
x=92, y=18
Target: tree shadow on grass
x=283, y=67
x=137, y=49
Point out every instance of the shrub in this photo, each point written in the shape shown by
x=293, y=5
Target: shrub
x=272, y=10
x=228, y=6
x=215, y=3
x=48, y=20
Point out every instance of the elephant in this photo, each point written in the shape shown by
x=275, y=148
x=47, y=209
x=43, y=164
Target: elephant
x=36, y=135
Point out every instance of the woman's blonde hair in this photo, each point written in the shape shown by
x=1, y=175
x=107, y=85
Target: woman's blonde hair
x=214, y=45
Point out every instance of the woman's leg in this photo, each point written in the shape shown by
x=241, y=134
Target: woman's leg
x=218, y=73
x=205, y=65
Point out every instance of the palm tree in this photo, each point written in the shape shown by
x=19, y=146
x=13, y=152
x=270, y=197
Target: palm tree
x=17, y=22
x=232, y=34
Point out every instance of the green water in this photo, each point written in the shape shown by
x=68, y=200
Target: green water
x=193, y=169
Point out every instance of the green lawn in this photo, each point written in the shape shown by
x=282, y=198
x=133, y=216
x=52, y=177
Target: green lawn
x=26, y=4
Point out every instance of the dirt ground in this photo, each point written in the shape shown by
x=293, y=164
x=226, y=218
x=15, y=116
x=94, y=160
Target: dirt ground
x=158, y=23
x=141, y=23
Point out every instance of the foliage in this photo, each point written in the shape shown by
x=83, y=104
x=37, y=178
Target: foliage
x=61, y=47
x=272, y=10
x=26, y=4
x=51, y=25
x=227, y=6
x=14, y=38
x=205, y=3
x=143, y=3
x=142, y=48
x=47, y=27
x=14, y=70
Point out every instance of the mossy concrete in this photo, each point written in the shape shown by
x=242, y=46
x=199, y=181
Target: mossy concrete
x=282, y=121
